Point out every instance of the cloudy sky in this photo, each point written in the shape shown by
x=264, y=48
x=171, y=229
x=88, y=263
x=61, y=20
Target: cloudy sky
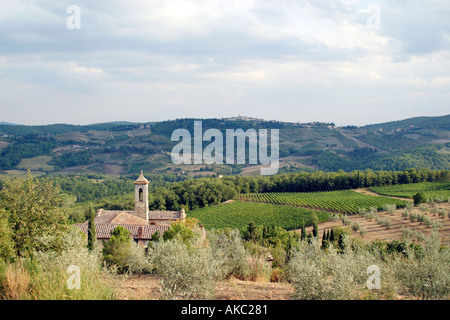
x=342, y=61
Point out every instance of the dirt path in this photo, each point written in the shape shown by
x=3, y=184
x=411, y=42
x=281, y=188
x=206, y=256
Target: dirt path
x=228, y=201
x=371, y=193
x=146, y=287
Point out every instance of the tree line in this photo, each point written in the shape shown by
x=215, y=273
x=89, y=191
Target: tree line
x=173, y=192
x=196, y=193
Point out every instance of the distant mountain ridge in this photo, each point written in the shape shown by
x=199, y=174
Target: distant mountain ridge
x=127, y=147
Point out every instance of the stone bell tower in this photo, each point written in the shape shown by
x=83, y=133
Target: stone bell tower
x=141, y=197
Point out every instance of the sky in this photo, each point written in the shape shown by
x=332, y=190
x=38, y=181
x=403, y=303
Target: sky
x=342, y=61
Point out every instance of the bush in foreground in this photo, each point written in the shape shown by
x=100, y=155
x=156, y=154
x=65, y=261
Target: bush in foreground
x=186, y=272
x=47, y=275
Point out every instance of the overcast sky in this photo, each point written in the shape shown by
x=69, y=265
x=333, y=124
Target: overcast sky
x=342, y=61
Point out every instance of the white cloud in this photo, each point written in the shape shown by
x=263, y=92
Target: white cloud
x=204, y=57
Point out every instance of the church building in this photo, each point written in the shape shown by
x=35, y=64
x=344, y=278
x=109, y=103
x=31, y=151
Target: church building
x=141, y=222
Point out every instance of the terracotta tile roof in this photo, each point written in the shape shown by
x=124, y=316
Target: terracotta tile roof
x=164, y=215
x=117, y=217
x=128, y=217
x=103, y=231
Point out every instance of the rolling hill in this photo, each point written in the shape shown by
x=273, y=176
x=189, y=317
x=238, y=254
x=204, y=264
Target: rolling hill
x=118, y=148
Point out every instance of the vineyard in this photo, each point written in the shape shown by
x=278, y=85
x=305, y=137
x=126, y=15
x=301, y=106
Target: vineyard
x=237, y=215
x=346, y=201
x=430, y=190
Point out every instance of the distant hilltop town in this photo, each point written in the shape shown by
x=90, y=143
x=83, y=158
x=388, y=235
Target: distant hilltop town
x=243, y=118
x=313, y=124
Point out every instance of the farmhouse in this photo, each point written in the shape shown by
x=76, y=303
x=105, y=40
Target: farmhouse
x=141, y=222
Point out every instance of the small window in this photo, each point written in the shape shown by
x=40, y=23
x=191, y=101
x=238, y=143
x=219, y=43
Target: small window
x=141, y=195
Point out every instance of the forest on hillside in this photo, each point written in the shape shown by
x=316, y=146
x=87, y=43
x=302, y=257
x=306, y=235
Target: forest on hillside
x=130, y=147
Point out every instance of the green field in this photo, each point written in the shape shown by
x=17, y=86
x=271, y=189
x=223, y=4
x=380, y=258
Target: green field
x=238, y=215
x=346, y=201
x=36, y=163
x=430, y=189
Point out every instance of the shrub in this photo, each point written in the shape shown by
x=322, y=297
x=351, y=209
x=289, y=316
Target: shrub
x=44, y=276
x=6, y=240
x=419, y=198
x=33, y=208
x=277, y=275
x=356, y=227
x=442, y=213
x=187, y=272
x=384, y=222
x=390, y=208
x=278, y=254
x=362, y=232
x=434, y=210
x=426, y=276
x=405, y=214
x=407, y=233
x=370, y=216
x=228, y=249
x=387, y=223
x=409, y=206
x=436, y=224
x=334, y=217
x=137, y=260
x=423, y=207
x=345, y=220
x=420, y=217
x=179, y=229
x=326, y=275
x=260, y=269
x=427, y=221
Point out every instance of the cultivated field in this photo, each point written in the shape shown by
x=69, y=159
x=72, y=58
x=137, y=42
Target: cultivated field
x=237, y=215
x=430, y=190
x=345, y=201
x=36, y=163
x=377, y=232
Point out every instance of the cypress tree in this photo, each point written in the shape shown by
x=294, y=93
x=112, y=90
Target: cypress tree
x=341, y=242
x=92, y=237
x=315, y=231
x=303, y=236
x=324, y=239
x=289, y=248
x=314, y=219
x=332, y=235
